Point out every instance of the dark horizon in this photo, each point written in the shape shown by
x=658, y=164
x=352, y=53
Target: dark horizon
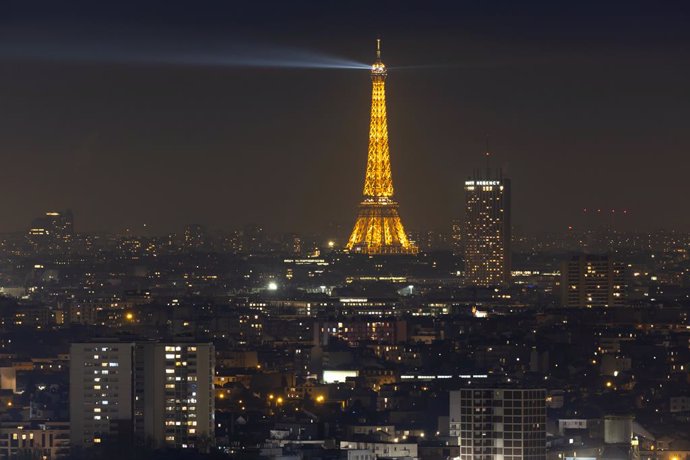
x=585, y=107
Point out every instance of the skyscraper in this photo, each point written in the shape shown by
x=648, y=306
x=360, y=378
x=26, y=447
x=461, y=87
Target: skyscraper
x=592, y=281
x=52, y=231
x=499, y=423
x=488, y=233
x=378, y=229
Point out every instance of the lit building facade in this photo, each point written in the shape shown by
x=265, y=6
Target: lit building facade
x=52, y=231
x=100, y=392
x=194, y=237
x=174, y=399
x=378, y=228
x=487, y=232
x=499, y=424
x=592, y=281
x=354, y=332
x=146, y=392
x=456, y=236
x=44, y=440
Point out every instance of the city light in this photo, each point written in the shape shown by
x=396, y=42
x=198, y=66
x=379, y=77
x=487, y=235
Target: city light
x=378, y=228
x=215, y=295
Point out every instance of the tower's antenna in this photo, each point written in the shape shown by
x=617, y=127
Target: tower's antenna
x=487, y=154
x=378, y=48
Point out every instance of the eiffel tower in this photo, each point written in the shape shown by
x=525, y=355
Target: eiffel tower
x=378, y=229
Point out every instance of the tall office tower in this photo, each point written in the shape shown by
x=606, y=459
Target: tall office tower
x=487, y=231
x=100, y=392
x=499, y=423
x=147, y=391
x=378, y=229
x=592, y=281
x=52, y=231
x=174, y=398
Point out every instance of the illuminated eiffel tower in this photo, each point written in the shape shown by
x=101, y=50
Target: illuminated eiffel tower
x=378, y=229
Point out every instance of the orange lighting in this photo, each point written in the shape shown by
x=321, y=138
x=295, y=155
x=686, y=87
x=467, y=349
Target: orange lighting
x=378, y=228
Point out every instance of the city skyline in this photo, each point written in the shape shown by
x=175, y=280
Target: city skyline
x=180, y=180
x=123, y=144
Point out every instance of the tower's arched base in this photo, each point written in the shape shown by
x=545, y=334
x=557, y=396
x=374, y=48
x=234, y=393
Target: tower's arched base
x=379, y=230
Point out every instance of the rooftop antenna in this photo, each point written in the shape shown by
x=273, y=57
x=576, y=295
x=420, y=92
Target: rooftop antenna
x=487, y=154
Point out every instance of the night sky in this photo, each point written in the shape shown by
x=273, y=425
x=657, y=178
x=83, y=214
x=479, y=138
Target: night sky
x=107, y=110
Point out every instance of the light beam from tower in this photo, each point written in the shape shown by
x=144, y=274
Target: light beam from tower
x=378, y=229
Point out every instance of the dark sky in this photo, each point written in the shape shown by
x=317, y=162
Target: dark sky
x=586, y=104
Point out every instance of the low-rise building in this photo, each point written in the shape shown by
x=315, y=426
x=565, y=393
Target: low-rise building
x=44, y=440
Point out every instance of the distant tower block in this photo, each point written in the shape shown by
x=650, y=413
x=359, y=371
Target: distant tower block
x=487, y=230
x=378, y=229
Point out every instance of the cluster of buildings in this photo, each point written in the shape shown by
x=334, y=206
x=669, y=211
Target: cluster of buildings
x=274, y=355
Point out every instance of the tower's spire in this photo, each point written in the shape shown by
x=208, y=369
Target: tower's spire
x=378, y=68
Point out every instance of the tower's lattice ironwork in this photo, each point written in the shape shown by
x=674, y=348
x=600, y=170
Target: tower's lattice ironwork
x=378, y=229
